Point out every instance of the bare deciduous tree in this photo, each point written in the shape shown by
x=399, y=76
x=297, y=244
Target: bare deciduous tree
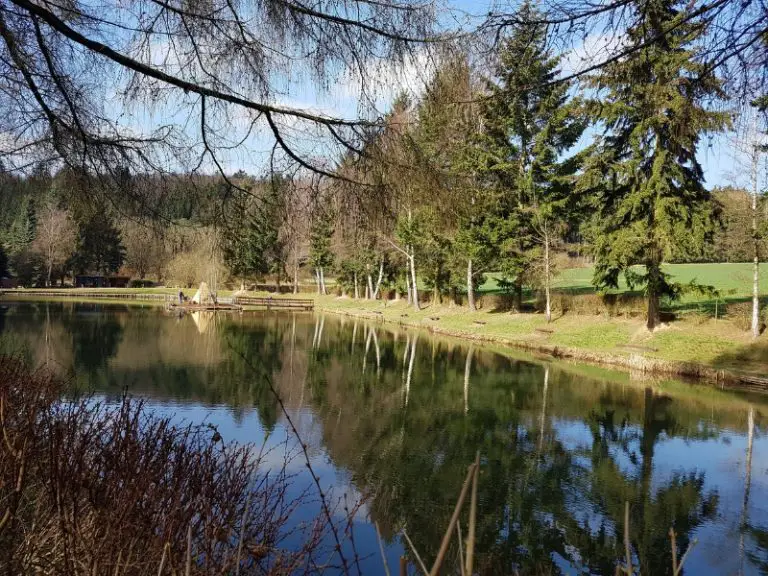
x=55, y=238
x=74, y=77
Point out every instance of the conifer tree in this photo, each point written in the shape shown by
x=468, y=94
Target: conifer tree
x=646, y=183
x=530, y=123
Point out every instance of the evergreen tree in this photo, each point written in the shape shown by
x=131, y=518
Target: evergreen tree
x=253, y=246
x=530, y=122
x=99, y=246
x=647, y=185
x=320, y=234
x=22, y=229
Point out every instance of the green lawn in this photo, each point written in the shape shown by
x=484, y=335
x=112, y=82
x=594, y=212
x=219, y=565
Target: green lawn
x=733, y=280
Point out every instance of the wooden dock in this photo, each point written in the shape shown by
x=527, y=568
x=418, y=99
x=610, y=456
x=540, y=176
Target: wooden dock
x=275, y=303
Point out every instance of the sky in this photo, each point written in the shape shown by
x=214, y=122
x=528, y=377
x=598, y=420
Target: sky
x=342, y=98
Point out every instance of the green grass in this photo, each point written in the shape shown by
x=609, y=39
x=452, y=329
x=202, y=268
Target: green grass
x=733, y=280
x=699, y=339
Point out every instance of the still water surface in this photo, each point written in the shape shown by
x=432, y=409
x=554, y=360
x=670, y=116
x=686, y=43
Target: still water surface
x=395, y=417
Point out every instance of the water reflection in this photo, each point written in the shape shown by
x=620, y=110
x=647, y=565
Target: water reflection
x=563, y=446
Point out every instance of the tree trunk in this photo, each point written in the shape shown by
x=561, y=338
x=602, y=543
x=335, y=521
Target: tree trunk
x=378, y=281
x=518, y=296
x=414, y=287
x=408, y=283
x=50, y=273
x=470, y=287
x=295, y=272
x=370, y=295
x=322, y=281
x=317, y=279
x=547, y=278
x=357, y=288
x=654, y=311
x=756, y=247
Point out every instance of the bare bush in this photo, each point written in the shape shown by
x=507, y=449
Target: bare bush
x=91, y=488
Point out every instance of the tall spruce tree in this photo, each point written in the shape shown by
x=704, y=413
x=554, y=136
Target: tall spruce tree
x=530, y=123
x=253, y=247
x=646, y=183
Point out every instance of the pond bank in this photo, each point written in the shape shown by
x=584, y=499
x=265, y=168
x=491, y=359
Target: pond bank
x=714, y=351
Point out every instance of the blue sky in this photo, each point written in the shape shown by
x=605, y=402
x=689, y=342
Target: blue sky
x=342, y=97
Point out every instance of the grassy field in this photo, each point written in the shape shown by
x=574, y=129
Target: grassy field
x=732, y=280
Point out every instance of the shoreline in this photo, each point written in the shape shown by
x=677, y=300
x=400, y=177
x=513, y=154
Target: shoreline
x=522, y=332
x=722, y=378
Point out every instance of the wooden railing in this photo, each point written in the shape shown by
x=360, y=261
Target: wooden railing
x=275, y=303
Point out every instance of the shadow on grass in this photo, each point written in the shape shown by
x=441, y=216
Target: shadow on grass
x=750, y=358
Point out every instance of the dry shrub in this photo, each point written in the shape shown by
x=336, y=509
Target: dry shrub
x=86, y=488
x=740, y=313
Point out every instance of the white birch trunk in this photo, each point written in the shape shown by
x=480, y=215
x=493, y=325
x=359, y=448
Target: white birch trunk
x=369, y=294
x=378, y=281
x=470, y=287
x=547, y=276
x=317, y=280
x=408, y=282
x=756, y=247
x=322, y=281
x=357, y=288
x=414, y=286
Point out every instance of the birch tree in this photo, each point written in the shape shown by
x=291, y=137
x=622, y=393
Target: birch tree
x=55, y=237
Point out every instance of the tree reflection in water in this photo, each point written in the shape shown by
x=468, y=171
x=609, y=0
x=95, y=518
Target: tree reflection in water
x=563, y=447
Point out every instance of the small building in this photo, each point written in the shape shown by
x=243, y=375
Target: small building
x=98, y=281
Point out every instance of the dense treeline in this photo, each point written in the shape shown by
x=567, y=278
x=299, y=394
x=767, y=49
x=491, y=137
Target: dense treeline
x=507, y=168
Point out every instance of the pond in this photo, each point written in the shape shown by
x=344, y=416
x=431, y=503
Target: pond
x=392, y=419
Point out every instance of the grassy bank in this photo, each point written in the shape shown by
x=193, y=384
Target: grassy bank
x=693, y=345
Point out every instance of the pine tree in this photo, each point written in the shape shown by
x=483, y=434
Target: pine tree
x=254, y=247
x=320, y=253
x=530, y=122
x=647, y=185
x=99, y=246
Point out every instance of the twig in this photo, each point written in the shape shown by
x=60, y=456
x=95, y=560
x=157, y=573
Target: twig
x=416, y=554
x=461, y=546
x=456, y=511
x=685, y=556
x=627, y=549
x=472, y=518
x=162, y=559
x=188, y=569
x=674, y=551
x=242, y=532
x=381, y=549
